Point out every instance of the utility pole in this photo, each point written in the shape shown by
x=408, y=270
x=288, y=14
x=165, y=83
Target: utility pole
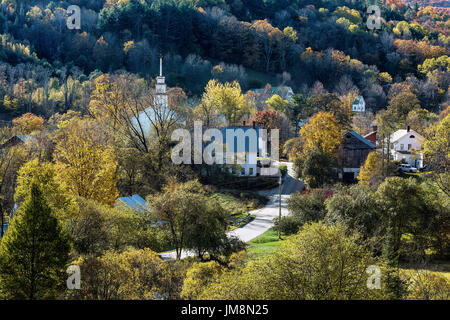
x=279, y=205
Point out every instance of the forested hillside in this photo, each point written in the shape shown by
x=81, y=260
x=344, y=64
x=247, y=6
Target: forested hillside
x=322, y=44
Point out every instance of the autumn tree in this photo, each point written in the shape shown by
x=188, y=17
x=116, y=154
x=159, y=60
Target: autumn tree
x=223, y=98
x=85, y=161
x=268, y=119
x=437, y=153
x=27, y=123
x=198, y=277
x=33, y=252
x=131, y=275
x=369, y=169
x=320, y=262
x=330, y=102
x=44, y=175
x=128, y=106
x=277, y=103
x=401, y=105
x=323, y=131
x=269, y=37
x=11, y=159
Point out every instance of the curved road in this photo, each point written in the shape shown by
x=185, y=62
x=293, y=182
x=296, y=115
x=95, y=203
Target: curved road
x=263, y=217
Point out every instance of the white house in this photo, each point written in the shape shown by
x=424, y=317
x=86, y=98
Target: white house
x=246, y=146
x=406, y=145
x=359, y=105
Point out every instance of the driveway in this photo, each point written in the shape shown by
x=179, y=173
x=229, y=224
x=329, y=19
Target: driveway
x=263, y=217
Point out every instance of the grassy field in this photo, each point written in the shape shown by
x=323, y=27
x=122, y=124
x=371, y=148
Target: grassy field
x=265, y=244
x=234, y=201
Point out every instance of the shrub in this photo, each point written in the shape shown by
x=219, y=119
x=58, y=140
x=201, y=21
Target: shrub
x=283, y=170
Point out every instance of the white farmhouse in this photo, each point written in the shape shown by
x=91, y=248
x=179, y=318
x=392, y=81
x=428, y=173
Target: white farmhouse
x=359, y=105
x=406, y=145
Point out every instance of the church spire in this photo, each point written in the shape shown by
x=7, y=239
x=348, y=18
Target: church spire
x=160, y=66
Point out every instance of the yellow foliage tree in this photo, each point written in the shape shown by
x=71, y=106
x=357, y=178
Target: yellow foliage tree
x=224, y=98
x=198, y=277
x=367, y=171
x=133, y=275
x=322, y=130
x=44, y=175
x=85, y=161
x=27, y=123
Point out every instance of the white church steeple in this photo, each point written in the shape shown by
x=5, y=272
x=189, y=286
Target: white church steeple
x=161, y=96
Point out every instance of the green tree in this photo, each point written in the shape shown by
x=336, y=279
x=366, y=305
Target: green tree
x=33, y=252
x=402, y=104
x=437, y=153
x=308, y=207
x=357, y=208
x=296, y=110
x=44, y=175
x=136, y=274
x=195, y=221
x=404, y=209
x=317, y=168
x=277, y=103
x=320, y=262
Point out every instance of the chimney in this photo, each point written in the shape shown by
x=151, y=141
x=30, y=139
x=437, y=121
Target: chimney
x=243, y=123
x=254, y=124
x=409, y=129
x=374, y=128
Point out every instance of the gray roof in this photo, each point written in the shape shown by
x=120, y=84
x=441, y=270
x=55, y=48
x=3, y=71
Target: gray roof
x=359, y=137
x=24, y=137
x=135, y=201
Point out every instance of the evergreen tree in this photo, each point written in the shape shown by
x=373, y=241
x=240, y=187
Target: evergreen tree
x=33, y=252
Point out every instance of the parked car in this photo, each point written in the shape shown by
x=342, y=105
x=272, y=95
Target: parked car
x=407, y=168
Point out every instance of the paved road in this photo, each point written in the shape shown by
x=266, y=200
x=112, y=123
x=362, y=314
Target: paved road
x=263, y=217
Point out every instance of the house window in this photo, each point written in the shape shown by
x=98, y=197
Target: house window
x=409, y=146
x=412, y=137
x=402, y=146
x=242, y=171
x=251, y=171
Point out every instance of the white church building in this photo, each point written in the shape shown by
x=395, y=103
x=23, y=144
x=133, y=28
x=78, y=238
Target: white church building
x=161, y=106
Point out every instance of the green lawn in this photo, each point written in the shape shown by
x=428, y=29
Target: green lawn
x=265, y=243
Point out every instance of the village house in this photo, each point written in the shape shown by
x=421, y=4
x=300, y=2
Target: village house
x=372, y=136
x=135, y=201
x=139, y=206
x=352, y=154
x=359, y=105
x=284, y=92
x=250, y=153
x=16, y=140
x=406, y=146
